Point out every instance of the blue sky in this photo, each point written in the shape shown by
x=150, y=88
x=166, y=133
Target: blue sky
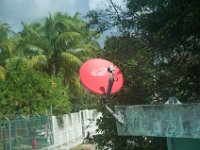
x=16, y=11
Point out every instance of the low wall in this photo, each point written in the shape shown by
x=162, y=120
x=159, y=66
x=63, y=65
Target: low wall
x=69, y=130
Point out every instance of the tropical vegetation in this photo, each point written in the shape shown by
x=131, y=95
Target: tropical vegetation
x=39, y=65
x=156, y=46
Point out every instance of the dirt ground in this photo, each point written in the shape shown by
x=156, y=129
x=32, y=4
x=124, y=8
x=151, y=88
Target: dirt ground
x=88, y=147
x=85, y=147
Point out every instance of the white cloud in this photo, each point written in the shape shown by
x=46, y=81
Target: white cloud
x=98, y=4
x=16, y=11
x=101, y=4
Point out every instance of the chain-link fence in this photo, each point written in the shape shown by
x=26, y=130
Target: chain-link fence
x=26, y=133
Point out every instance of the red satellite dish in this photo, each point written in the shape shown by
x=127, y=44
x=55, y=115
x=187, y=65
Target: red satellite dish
x=95, y=76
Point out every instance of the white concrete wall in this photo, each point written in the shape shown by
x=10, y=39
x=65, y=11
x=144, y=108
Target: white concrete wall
x=74, y=128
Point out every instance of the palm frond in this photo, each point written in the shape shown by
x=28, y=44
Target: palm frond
x=6, y=47
x=2, y=73
x=31, y=35
x=85, y=52
x=5, y=31
x=75, y=84
x=38, y=61
x=70, y=60
x=66, y=22
x=68, y=39
x=32, y=50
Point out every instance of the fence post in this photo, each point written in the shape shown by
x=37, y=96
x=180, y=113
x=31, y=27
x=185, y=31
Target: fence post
x=10, y=135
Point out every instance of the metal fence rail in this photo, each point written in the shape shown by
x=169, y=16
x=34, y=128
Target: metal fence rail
x=45, y=133
x=25, y=133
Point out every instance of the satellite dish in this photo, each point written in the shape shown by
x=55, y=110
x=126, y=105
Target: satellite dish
x=102, y=77
x=96, y=74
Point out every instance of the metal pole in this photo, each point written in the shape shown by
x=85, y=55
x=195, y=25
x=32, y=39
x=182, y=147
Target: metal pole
x=118, y=117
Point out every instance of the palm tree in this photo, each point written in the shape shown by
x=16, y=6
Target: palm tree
x=6, y=46
x=6, y=42
x=59, y=44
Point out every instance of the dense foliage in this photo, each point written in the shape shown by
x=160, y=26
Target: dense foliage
x=27, y=91
x=39, y=65
x=157, y=49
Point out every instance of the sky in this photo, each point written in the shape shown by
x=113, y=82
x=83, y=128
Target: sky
x=14, y=12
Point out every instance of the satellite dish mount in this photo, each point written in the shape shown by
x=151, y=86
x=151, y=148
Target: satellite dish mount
x=118, y=116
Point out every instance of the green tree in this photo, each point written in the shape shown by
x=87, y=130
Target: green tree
x=168, y=65
x=27, y=91
x=6, y=43
x=171, y=29
x=65, y=41
x=140, y=76
x=39, y=65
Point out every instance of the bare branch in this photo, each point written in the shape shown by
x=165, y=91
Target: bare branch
x=116, y=11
